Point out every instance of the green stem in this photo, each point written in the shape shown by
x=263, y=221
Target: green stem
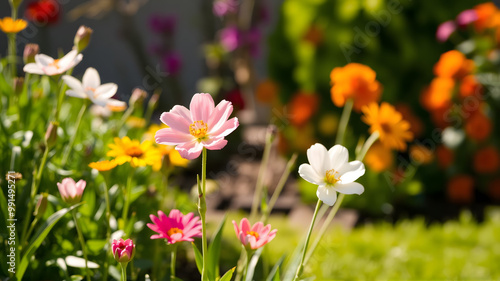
x=344, y=120
x=126, y=204
x=325, y=225
x=247, y=263
x=60, y=97
x=12, y=54
x=366, y=146
x=124, y=271
x=202, y=209
x=308, y=237
x=262, y=172
x=108, y=228
x=125, y=116
x=34, y=190
x=279, y=188
x=173, y=257
x=73, y=137
x=82, y=243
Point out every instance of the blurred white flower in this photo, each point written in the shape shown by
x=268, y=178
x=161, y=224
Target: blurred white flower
x=332, y=172
x=452, y=137
x=45, y=65
x=91, y=88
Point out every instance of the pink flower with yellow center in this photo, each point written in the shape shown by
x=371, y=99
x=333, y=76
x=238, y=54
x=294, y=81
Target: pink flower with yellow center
x=204, y=125
x=256, y=236
x=176, y=227
x=45, y=65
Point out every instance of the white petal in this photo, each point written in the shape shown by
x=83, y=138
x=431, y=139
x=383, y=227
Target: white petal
x=43, y=60
x=68, y=59
x=106, y=91
x=349, y=188
x=339, y=155
x=318, y=158
x=91, y=78
x=73, y=83
x=76, y=94
x=33, y=68
x=351, y=171
x=307, y=172
x=327, y=194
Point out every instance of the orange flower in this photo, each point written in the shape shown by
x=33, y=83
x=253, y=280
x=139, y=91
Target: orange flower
x=470, y=87
x=485, y=13
x=102, y=166
x=302, y=107
x=421, y=154
x=354, y=81
x=267, y=92
x=8, y=25
x=453, y=64
x=439, y=94
x=416, y=125
x=445, y=156
x=394, y=132
x=486, y=160
x=494, y=189
x=460, y=189
x=379, y=157
x=478, y=126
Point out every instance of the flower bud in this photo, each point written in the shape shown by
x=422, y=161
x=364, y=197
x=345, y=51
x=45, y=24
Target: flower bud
x=15, y=3
x=153, y=101
x=18, y=85
x=82, y=38
x=51, y=134
x=123, y=251
x=30, y=51
x=137, y=98
x=41, y=205
x=71, y=191
x=271, y=133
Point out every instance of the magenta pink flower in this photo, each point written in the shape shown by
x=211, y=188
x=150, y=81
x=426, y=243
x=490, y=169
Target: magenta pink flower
x=203, y=126
x=123, y=251
x=71, y=192
x=466, y=17
x=445, y=30
x=176, y=227
x=223, y=7
x=256, y=236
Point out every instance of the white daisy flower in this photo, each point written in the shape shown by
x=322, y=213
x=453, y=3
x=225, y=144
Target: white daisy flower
x=45, y=65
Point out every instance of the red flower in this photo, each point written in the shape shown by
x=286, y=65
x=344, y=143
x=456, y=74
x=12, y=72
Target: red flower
x=43, y=11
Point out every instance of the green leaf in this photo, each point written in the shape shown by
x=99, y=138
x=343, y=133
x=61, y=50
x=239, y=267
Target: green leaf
x=253, y=263
x=198, y=257
x=275, y=272
x=214, y=252
x=228, y=275
x=3, y=206
x=277, y=275
x=95, y=246
x=38, y=238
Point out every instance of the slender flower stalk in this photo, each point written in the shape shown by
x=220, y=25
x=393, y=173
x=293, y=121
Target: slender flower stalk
x=308, y=237
x=73, y=136
x=202, y=208
x=82, y=243
x=344, y=120
x=366, y=146
x=128, y=194
x=173, y=256
x=124, y=271
x=108, y=226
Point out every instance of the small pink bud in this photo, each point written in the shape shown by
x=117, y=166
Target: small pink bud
x=82, y=38
x=51, y=134
x=123, y=251
x=137, y=98
x=71, y=191
x=30, y=51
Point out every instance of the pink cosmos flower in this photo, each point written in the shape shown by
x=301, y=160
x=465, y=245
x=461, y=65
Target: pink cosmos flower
x=123, y=251
x=204, y=125
x=223, y=7
x=445, y=30
x=71, y=192
x=45, y=65
x=176, y=227
x=256, y=236
x=466, y=17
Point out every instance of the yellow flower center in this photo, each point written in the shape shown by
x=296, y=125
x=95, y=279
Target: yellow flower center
x=55, y=63
x=253, y=233
x=174, y=230
x=198, y=130
x=134, y=151
x=331, y=177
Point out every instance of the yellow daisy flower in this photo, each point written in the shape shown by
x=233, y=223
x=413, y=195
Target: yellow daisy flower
x=137, y=154
x=102, y=166
x=8, y=25
x=393, y=131
x=174, y=157
x=153, y=128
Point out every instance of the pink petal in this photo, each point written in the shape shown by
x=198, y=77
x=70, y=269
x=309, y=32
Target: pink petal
x=190, y=150
x=201, y=107
x=257, y=227
x=175, y=121
x=182, y=111
x=220, y=115
x=244, y=225
x=228, y=127
x=80, y=186
x=168, y=136
x=215, y=143
x=236, y=228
